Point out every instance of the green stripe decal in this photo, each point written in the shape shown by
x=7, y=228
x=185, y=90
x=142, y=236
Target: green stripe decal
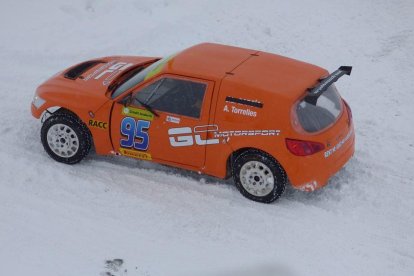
x=159, y=68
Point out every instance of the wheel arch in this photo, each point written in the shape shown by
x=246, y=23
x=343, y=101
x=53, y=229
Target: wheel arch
x=56, y=110
x=238, y=152
x=63, y=110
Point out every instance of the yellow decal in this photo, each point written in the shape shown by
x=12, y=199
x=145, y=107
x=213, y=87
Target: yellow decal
x=159, y=67
x=98, y=124
x=136, y=154
x=138, y=113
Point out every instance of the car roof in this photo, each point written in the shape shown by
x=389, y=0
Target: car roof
x=278, y=75
x=258, y=70
x=208, y=60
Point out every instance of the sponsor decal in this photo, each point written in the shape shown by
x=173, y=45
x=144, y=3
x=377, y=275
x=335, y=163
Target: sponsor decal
x=338, y=145
x=110, y=70
x=186, y=136
x=135, y=133
x=138, y=113
x=264, y=132
x=136, y=154
x=99, y=70
x=98, y=124
x=240, y=111
x=172, y=119
x=183, y=136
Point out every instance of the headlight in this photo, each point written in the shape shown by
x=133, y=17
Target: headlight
x=37, y=101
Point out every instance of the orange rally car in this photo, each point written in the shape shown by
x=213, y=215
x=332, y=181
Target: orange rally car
x=220, y=110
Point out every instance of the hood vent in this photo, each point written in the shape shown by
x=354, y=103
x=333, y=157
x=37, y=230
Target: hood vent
x=78, y=70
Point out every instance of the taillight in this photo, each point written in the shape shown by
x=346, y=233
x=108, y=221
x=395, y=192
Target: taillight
x=303, y=148
x=348, y=109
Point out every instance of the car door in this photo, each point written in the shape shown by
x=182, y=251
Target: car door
x=176, y=133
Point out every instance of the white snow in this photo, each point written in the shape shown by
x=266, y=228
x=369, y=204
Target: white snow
x=68, y=220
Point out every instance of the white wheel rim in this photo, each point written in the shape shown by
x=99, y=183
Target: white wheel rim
x=62, y=140
x=257, y=178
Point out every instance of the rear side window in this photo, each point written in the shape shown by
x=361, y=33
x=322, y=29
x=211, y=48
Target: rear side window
x=314, y=118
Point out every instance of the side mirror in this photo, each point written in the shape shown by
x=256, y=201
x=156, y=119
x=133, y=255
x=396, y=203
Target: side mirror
x=127, y=100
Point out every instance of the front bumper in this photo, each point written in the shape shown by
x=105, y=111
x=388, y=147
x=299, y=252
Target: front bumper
x=36, y=112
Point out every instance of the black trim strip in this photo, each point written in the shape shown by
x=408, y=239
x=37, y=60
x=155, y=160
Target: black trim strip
x=110, y=126
x=244, y=101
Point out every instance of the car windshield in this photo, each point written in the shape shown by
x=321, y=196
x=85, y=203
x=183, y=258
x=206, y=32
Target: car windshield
x=140, y=76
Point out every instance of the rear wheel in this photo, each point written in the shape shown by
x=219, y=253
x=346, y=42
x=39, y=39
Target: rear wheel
x=258, y=176
x=66, y=138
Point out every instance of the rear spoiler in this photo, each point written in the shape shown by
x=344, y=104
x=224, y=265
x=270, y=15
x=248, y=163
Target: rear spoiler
x=315, y=92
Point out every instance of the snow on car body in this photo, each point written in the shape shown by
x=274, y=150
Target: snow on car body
x=215, y=109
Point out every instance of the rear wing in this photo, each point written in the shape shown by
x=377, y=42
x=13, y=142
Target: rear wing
x=315, y=92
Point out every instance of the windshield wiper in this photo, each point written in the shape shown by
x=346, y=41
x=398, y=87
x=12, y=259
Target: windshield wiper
x=148, y=107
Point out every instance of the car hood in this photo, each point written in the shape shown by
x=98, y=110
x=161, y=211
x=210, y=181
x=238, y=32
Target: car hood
x=85, y=85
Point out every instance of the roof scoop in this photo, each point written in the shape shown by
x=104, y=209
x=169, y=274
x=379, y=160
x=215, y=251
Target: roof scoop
x=315, y=92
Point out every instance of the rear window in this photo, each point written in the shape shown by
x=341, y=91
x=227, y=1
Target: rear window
x=314, y=118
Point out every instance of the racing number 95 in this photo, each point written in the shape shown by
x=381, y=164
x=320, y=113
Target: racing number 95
x=135, y=129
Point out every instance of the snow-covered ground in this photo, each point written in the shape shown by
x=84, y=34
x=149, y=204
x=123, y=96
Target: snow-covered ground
x=69, y=220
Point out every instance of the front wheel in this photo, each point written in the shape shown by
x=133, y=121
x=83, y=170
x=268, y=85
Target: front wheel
x=258, y=176
x=66, y=138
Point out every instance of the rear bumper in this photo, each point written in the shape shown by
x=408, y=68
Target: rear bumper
x=313, y=172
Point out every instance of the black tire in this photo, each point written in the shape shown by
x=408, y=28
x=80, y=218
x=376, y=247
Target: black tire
x=279, y=175
x=76, y=128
